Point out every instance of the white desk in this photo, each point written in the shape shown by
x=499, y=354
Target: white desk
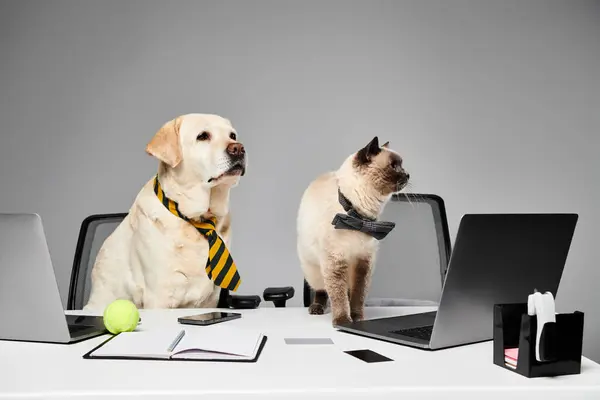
x=31, y=370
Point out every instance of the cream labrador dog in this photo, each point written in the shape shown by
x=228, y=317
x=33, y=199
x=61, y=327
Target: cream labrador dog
x=155, y=258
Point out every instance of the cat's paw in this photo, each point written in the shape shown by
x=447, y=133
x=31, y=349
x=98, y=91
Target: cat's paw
x=316, y=309
x=341, y=320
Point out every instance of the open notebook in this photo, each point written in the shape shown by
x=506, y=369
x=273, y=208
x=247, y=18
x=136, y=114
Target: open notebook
x=211, y=343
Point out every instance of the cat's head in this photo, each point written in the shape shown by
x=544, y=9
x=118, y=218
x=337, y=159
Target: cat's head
x=380, y=168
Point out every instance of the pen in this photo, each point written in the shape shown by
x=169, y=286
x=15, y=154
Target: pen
x=176, y=341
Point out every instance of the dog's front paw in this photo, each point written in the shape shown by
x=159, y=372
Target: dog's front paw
x=316, y=309
x=357, y=315
x=341, y=320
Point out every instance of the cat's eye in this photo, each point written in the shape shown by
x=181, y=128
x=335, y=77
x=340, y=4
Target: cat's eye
x=396, y=165
x=233, y=136
x=203, y=136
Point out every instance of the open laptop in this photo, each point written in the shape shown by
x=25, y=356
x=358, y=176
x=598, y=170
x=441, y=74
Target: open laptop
x=30, y=304
x=497, y=258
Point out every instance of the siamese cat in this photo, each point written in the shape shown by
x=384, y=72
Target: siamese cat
x=338, y=230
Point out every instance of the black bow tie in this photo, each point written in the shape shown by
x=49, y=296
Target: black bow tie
x=352, y=220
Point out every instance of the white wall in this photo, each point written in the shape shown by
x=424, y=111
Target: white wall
x=493, y=104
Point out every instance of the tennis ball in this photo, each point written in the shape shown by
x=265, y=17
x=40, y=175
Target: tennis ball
x=121, y=316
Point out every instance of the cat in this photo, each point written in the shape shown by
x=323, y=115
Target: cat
x=337, y=231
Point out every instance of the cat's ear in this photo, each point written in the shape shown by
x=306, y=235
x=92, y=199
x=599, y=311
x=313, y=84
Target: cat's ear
x=366, y=154
x=386, y=145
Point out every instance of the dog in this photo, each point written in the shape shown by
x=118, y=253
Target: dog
x=157, y=259
x=338, y=231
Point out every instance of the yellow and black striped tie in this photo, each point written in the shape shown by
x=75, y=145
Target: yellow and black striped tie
x=220, y=266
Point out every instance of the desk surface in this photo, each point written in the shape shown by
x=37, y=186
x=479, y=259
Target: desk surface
x=33, y=370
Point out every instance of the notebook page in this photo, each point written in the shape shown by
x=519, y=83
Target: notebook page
x=150, y=343
x=207, y=355
x=223, y=339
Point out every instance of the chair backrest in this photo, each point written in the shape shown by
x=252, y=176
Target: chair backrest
x=95, y=229
x=412, y=260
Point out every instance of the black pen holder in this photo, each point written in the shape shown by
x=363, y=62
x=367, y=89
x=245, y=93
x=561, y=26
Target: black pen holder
x=561, y=341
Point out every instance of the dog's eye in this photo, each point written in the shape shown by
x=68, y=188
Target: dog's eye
x=233, y=136
x=203, y=136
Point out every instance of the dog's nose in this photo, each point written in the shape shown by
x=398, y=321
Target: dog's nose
x=236, y=149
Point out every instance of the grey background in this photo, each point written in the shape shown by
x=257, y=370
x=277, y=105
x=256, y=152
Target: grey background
x=494, y=105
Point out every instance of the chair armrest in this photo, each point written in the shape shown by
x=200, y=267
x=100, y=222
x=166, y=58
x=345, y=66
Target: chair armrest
x=278, y=295
x=243, y=301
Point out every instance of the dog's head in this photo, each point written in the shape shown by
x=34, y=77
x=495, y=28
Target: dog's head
x=202, y=147
x=380, y=167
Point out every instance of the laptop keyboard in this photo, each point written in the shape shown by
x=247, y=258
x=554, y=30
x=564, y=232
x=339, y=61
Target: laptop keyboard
x=78, y=328
x=421, y=332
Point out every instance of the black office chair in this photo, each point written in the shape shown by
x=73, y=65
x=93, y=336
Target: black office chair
x=96, y=229
x=412, y=260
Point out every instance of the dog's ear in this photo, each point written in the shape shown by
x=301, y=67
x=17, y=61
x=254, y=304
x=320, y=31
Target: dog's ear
x=165, y=143
x=365, y=154
x=386, y=145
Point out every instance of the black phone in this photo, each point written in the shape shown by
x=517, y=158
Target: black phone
x=208, y=318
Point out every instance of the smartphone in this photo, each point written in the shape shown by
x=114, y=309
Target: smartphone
x=208, y=318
